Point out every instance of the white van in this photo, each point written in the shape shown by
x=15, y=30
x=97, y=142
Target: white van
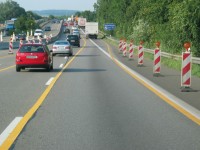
x=38, y=32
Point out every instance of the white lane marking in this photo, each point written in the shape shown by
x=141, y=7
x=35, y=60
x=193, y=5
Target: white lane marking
x=192, y=110
x=49, y=81
x=61, y=65
x=4, y=135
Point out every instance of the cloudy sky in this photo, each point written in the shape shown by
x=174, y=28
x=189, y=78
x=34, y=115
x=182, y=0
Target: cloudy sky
x=56, y=4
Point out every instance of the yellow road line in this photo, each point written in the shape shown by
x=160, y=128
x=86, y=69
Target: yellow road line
x=6, y=68
x=159, y=94
x=15, y=133
x=6, y=56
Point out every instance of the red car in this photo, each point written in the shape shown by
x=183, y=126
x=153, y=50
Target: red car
x=34, y=55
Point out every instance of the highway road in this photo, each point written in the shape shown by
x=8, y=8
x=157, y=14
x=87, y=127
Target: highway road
x=54, y=30
x=91, y=103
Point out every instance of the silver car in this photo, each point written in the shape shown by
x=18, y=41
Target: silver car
x=62, y=47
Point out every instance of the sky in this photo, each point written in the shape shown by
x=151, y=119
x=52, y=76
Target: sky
x=81, y=5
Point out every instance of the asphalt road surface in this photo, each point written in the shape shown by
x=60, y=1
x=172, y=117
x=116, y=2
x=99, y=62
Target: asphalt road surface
x=93, y=105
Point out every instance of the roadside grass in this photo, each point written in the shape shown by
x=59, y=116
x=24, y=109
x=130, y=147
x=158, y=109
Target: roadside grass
x=169, y=62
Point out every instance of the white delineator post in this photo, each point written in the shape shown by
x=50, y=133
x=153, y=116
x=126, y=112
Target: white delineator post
x=186, y=68
x=140, y=54
x=131, y=50
x=157, y=59
x=1, y=37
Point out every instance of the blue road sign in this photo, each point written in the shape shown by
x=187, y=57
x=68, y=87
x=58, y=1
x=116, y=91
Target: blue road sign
x=109, y=26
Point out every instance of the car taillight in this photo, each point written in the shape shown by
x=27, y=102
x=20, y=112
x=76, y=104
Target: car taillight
x=54, y=47
x=18, y=58
x=45, y=57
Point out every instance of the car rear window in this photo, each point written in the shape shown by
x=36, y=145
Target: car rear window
x=73, y=37
x=31, y=49
x=61, y=43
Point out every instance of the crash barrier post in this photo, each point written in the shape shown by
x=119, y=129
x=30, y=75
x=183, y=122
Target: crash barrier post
x=1, y=37
x=10, y=46
x=186, y=68
x=120, y=45
x=131, y=50
x=157, y=60
x=140, y=54
x=124, y=48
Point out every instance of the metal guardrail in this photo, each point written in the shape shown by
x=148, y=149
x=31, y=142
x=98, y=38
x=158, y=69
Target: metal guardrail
x=195, y=60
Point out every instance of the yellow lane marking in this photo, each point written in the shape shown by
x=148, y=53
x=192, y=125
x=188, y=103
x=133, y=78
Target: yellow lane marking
x=6, y=68
x=159, y=94
x=6, y=56
x=15, y=133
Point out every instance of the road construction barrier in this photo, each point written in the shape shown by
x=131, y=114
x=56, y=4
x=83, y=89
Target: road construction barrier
x=120, y=45
x=10, y=51
x=186, y=68
x=13, y=37
x=124, y=48
x=140, y=54
x=157, y=60
x=131, y=50
x=40, y=40
x=20, y=43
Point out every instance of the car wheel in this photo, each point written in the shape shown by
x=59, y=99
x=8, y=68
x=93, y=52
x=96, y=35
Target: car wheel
x=48, y=68
x=18, y=68
x=51, y=68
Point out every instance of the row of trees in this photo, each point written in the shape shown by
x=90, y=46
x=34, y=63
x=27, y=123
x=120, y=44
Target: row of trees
x=25, y=20
x=172, y=22
x=90, y=15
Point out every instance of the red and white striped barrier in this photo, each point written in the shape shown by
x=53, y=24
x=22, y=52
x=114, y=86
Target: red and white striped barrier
x=20, y=43
x=157, y=60
x=40, y=40
x=124, y=48
x=140, y=54
x=10, y=46
x=120, y=45
x=131, y=50
x=33, y=40
x=186, y=67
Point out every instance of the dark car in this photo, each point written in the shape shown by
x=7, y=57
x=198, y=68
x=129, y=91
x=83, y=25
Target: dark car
x=34, y=55
x=20, y=37
x=47, y=28
x=73, y=40
x=67, y=31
